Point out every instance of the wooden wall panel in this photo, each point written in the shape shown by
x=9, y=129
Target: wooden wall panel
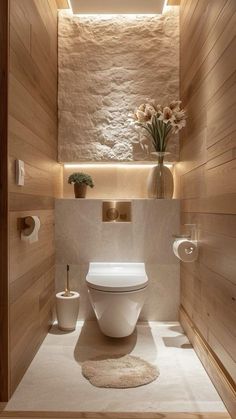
x=62, y=4
x=207, y=172
x=32, y=137
x=4, y=320
x=216, y=370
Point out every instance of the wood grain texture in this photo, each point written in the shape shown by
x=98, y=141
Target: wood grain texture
x=216, y=370
x=30, y=313
x=4, y=356
x=207, y=174
x=173, y=2
x=32, y=137
x=62, y=4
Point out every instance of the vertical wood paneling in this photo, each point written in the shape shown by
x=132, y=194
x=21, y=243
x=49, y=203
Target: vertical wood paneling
x=62, y=4
x=32, y=137
x=207, y=172
x=4, y=361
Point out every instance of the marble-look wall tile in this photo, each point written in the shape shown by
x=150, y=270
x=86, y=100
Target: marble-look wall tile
x=82, y=237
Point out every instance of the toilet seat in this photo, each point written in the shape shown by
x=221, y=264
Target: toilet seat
x=117, y=277
x=116, y=284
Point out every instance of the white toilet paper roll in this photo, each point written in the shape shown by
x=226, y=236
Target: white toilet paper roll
x=30, y=233
x=185, y=250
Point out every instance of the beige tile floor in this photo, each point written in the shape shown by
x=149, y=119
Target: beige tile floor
x=54, y=381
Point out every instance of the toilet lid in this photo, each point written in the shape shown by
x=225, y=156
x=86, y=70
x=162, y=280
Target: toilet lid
x=117, y=277
x=117, y=284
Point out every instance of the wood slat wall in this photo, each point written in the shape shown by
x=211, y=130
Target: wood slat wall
x=4, y=360
x=32, y=137
x=63, y=4
x=207, y=172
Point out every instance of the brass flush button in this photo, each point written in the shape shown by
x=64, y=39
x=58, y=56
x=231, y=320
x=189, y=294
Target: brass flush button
x=112, y=214
x=116, y=211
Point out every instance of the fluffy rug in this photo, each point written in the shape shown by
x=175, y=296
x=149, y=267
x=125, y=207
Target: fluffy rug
x=119, y=372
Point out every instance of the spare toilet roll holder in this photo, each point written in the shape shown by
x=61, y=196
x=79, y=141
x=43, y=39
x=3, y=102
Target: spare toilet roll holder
x=190, y=234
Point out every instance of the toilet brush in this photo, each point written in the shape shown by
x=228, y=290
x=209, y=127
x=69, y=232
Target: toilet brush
x=67, y=306
x=67, y=292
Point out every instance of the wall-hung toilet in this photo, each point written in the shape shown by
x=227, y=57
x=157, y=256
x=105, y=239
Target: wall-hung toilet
x=117, y=293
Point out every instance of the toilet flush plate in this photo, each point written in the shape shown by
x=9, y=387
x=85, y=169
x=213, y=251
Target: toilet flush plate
x=116, y=211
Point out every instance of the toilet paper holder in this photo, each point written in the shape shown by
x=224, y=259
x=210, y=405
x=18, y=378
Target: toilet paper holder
x=181, y=236
x=24, y=223
x=189, y=234
x=29, y=227
x=185, y=246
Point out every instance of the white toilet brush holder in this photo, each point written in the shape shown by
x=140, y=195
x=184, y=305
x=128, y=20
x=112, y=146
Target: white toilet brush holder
x=67, y=307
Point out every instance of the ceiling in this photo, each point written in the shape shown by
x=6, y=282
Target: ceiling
x=117, y=6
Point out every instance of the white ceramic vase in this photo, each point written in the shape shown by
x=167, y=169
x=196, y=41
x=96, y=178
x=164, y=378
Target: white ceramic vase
x=67, y=309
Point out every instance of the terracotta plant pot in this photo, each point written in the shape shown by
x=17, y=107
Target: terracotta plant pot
x=80, y=190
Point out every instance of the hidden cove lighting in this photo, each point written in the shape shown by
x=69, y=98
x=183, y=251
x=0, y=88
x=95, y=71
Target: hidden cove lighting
x=103, y=166
x=114, y=7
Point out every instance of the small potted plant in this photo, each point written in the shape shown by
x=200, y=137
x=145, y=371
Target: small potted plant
x=80, y=181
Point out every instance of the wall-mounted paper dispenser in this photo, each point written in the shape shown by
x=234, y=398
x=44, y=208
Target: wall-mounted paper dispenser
x=185, y=246
x=186, y=250
x=30, y=228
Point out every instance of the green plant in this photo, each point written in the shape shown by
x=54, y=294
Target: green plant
x=80, y=177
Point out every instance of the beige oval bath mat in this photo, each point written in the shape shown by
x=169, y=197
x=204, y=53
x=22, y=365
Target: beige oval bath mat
x=119, y=372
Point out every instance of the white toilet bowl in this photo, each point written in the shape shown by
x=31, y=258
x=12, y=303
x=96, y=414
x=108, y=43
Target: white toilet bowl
x=117, y=293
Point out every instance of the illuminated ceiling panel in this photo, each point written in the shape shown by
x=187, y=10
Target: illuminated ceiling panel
x=117, y=6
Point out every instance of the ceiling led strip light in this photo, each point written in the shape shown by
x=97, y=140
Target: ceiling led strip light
x=117, y=6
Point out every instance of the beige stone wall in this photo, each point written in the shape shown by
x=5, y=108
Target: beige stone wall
x=108, y=66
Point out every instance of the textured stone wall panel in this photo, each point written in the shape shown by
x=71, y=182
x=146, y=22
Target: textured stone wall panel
x=108, y=66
